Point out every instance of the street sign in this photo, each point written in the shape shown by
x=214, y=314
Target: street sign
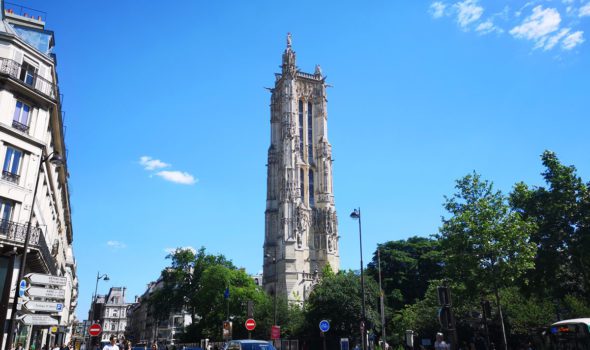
x=22, y=286
x=250, y=324
x=49, y=293
x=48, y=280
x=44, y=306
x=94, y=330
x=324, y=325
x=53, y=329
x=39, y=320
x=275, y=332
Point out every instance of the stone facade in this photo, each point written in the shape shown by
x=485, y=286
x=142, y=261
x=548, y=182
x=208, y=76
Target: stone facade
x=31, y=134
x=301, y=225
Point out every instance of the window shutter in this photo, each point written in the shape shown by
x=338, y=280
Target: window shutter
x=42, y=84
x=18, y=56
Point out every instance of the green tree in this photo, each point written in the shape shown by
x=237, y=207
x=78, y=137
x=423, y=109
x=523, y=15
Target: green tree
x=485, y=244
x=561, y=212
x=337, y=298
x=407, y=267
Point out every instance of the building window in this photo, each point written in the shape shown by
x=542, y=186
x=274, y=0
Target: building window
x=20, y=120
x=301, y=128
x=11, y=164
x=6, y=208
x=311, y=197
x=301, y=184
x=309, y=133
x=27, y=73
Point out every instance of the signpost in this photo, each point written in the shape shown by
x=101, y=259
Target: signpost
x=275, y=332
x=48, y=280
x=50, y=293
x=324, y=327
x=94, y=330
x=250, y=325
x=39, y=320
x=44, y=306
x=22, y=286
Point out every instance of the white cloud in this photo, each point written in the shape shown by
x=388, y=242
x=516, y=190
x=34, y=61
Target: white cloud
x=585, y=10
x=437, y=9
x=149, y=163
x=116, y=244
x=552, y=41
x=487, y=27
x=538, y=25
x=573, y=40
x=179, y=177
x=468, y=12
x=174, y=250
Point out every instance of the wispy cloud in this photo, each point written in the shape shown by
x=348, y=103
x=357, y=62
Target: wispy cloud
x=547, y=24
x=468, y=11
x=487, y=27
x=537, y=26
x=116, y=245
x=174, y=250
x=178, y=177
x=149, y=163
x=175, y=176
x=573, y=40
x=437, y=9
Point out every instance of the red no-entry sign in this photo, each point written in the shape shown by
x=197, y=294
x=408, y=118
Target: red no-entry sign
x=94, y=330
x=250, y=324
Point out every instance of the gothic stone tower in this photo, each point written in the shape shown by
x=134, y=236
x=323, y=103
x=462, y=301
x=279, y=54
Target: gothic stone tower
x=301, y=228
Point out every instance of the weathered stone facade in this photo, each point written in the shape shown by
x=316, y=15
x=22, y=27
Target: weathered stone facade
x=301, y=228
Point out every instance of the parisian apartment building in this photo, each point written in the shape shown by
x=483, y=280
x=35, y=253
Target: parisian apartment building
x=144, y=328
x=110, y=311
x=34, y=192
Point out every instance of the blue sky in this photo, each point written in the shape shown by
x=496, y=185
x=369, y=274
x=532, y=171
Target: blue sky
x=423, y=93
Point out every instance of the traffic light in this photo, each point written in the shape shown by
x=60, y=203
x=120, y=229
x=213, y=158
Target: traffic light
x=445, y=317
x=487, y=308
x=250, y=309
x=444, y=296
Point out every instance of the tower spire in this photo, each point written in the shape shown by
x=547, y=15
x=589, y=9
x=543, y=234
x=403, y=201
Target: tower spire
x=289, y=68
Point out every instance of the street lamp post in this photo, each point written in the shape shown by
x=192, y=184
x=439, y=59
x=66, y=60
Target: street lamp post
x=99, y=277
x=382, y=302
x=356, y=214
x=55, y=159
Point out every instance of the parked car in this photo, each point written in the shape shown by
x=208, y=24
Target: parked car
x=249, y=344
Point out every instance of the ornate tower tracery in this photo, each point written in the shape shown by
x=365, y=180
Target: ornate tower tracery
x=301, y=227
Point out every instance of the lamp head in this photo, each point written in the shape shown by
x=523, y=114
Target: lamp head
x=106, y=278
x=356, y=214
x=56, y=159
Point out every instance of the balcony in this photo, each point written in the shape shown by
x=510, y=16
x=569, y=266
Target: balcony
x=15, y=234
x=8, y=176
x=20, y=126
x=28, y=77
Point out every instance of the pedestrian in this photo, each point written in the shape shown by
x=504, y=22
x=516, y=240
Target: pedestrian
x=112, y=345
x=56, y=347
x=440, y=343
x=154, y=346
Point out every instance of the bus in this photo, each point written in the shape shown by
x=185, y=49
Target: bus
x=571, y=334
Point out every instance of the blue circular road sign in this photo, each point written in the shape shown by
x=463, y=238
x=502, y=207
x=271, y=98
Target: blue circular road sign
x=324, y=325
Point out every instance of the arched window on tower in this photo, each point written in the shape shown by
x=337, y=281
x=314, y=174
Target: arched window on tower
x=309, y=132
x=311, y=194
x=301, y=184
x=301, y=128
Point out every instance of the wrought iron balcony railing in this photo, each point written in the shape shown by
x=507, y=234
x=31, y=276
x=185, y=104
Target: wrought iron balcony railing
x=8, y=176
x=20, y=126
x=36, y=82
x=17, y=233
